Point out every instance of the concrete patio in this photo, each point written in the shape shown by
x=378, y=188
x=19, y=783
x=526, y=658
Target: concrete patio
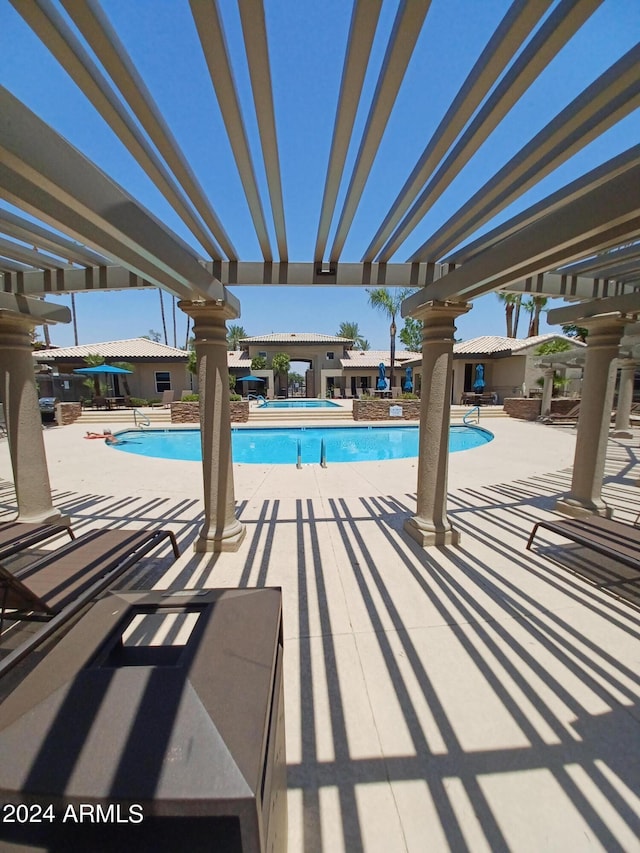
x=481, y=697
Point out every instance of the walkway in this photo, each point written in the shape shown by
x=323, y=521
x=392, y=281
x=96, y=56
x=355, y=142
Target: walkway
x=478, y=698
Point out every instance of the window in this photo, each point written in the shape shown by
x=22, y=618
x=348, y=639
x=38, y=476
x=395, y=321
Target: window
x=329, y=356
x=262, y=354
x=163, y=381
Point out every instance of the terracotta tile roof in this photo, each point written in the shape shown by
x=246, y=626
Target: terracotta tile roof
x=490, y=344
x=238, y=358
x=132, y=348
x=296, y=338
x=372, y=358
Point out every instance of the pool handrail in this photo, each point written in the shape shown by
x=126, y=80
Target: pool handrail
x=261, y=401
x=323, y=454
x=144, y=419
x=475, y=410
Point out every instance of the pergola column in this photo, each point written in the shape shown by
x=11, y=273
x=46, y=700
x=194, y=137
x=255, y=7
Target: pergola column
x=547, y=391
x=622, y=427
x=221, y=530
x=598, y=385
x=430, y=525
x=24, y=422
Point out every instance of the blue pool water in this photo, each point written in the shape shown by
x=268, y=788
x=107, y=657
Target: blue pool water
x=299, y=404
x=280, y=446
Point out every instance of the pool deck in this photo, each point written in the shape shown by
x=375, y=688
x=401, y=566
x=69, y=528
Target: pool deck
x=474, y=698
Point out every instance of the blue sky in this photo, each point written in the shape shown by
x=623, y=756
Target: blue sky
x=307, y=43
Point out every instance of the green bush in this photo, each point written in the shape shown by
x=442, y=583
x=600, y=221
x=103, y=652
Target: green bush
x=155, y=402
x=409, y=395
x=235, y=397
x=137, y=402
x=191, y=398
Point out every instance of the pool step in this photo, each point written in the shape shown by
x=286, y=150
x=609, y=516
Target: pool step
x=276, y=416
x=123, y=416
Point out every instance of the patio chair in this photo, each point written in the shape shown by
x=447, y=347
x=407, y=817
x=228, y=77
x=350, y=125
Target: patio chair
x=613, y=539
x=58, y=586
x=558, y=418
x=168, y=398
x=80, y=569
x=15, y=536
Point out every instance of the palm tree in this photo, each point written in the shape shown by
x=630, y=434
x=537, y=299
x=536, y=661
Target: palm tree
x=74, y=318
x=516, y=315
x=125, y=365
x=534, y=306
x=164, y=322
x=94, y=360
x=509, y=302
x=389, y=303
x=280, y=364
x=351, y=331
x=234, y=335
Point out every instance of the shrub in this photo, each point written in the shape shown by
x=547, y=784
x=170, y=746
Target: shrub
x=136, y=402
x=191, y=398
x=235, y=397
x=409, y=395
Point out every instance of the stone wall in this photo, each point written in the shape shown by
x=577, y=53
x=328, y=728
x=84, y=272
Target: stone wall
x=523, y=408
x=528, y=409
x=67, y=413
x=378, y=410
x=239, y=411
x=189, y=413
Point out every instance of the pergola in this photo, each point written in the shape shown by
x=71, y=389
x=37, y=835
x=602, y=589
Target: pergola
x=578, y=243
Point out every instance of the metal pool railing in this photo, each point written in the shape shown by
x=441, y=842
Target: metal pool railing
x=140, y=417
x=474, y=412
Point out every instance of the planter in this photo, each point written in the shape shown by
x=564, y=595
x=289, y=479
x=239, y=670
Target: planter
x=189, y=413
x=379, y=410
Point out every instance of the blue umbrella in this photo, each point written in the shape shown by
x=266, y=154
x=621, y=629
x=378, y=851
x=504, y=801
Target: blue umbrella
x=102, y=368
x=408, y=382
x=97, y=370
x=478, y=385
x=249, y=379
x=381, y=384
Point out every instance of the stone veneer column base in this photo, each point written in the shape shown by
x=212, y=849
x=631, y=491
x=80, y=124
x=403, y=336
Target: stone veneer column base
x=204, y=545
x=426, y=535
x=577, y=509
x=621, y=433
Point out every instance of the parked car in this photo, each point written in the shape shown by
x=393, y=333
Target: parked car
x=48, y=408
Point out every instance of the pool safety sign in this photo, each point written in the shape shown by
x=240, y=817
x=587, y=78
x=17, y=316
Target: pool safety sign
x=395, y=411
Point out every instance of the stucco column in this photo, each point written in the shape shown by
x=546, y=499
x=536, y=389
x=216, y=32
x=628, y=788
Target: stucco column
x=547, y=392
x=598, y=385
x=24, y=423
x=221, y=530
x=430, y=525
x=622, y=427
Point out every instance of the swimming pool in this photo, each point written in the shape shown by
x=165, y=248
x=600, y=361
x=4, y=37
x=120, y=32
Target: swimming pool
x=279, y=446
x=298, y=404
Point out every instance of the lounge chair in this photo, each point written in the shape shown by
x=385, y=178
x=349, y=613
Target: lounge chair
x=15, y=536
x=613, y=539
x=569, y=417
x=167, y=398
x=59, y=585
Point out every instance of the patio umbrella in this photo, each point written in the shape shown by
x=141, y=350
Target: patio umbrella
x=101, y=368
x=478, y=385
x=249, y=379
x=98, y=369
x=408, y=382
x=381, y=384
